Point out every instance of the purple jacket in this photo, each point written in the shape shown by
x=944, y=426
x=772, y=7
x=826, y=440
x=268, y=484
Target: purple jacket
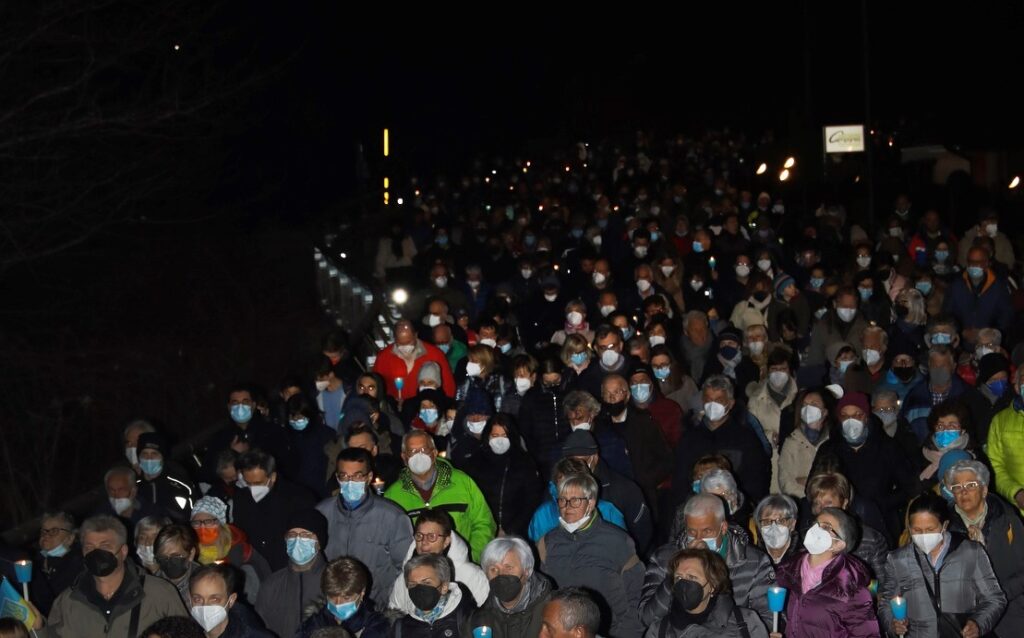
x=840, y=606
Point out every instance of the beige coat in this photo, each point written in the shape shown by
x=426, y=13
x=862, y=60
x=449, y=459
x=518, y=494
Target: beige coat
x=761, y=404
x=795, y=462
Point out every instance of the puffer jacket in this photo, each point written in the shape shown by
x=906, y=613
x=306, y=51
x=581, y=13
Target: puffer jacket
x=968, y=587
x=544, y=425
x=750, y=571
x=840, y=606
x=466, y=572
x=367, y=622
x=524, y=619
x=454, y=621
x=726, y=620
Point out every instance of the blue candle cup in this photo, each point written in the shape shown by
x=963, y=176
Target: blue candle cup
x=776, y=599
x=482, y=632
x=898, y=605
x=23, y=571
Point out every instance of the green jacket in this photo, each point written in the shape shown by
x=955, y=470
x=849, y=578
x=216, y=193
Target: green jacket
x=455, y=493
x=1006, y=450
x=455, y=353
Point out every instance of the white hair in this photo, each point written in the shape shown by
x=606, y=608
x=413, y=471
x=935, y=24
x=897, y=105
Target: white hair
x=979, y=469
x=497, y=549
x=719, y=478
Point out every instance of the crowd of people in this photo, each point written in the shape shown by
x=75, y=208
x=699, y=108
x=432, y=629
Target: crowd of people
x=631, y=392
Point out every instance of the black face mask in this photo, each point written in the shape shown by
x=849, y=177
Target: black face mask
x=615, y=409
x=760, y=296
x=424, y=597
x=901, y=310
x=903, y=373
x=687, y=594
x=100, y=562
x=506, y=587
x=174, y=567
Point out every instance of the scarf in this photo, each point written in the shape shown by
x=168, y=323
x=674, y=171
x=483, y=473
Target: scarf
x=934, y=456
x=975, y=526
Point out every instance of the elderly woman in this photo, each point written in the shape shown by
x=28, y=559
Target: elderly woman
x=345, y=584
x=575, y=323
x=545, y=518
x=515, y=606
x=986, y=518
x=948, y=427
x=585, y=551
x=61, y=559
x=722, y=483
x=220, y=541
x=176, y=548
x=673, y=381
x=145, y=534
x=776, y=518
x=702, y=602
x=948, y=582
x=484, y=373
x=828, y=588
x=440, y=609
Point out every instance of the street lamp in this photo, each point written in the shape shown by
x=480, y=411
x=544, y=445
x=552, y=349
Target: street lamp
x=400, y=296
x=762, y=169
x=790, y=162
x=1015, y=182
x=784, y=175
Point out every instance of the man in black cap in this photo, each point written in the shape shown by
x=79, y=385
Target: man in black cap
x=727, y=354
x=615, y=488
x=290, y=590
x=163, y=485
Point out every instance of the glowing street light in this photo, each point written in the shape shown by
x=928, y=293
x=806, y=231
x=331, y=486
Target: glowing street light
x=790, y=162
x=1015, y=182
x=762, y=169
x=387, y=142
x=784, y=175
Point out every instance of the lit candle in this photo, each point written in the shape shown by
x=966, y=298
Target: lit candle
x=776, y=603
x=399, y=384
x=378, y=486
x=711, y=263
x=23, y=571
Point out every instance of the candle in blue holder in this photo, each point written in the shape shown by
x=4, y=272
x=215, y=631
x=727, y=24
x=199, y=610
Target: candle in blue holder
x=23, y=572
x=399, y=384
x=898, y=604
x=483, y=632
x=776, y=603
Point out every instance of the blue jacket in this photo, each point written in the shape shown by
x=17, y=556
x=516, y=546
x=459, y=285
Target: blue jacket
x=917, y=405
x=545, y=518
x=986, y=307
x=892, y=382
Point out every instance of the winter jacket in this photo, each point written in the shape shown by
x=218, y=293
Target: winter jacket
x=726, y=620
x=750, y=571
x=78, y=612
x=967, y=586
x=763, y=407
x=524, y=619
x=466, y=572
x=987, y=306
x=1003, y=535
x=626, y=496
x=830, y=330
x=305, y=462
x=266, y=522
x=1004, y=248
x=917, y=405
x=391, y=366
x=1006, y=450
x=543, y=425
x=454, y=621
x=286, y=593
x=795, y=461
x=602, y=558
x=367, y=622
x=649, y=454
x=455, y=493
x=510, y=482
x=377, y=533
x=258, y=432
x=840, y=606
x=52, y=575
x=171, y=494
x=545, y=518
x=243, y=622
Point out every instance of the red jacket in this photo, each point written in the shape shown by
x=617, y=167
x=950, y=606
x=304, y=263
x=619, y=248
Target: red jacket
x=391, y=366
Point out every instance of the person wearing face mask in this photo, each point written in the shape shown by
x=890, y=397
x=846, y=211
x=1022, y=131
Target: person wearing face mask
x=518, y=593
x=384, y=416
x=112, y=597
x=122, y=498
x=586, y=551
x=441, y=609
x=263, y=508
x=842, y=323
x=993, y=383
x=582, y=371
x=776, y=519
x=722, y=484
x=827, y=587
x=454, y=349
x=753, y=310
x=949, y=584
x=668, y=275
x=903, y=371
x=60, y=560
x=524, y=378
x=507, y=476
x=842, y=359
x=163, y=487
x=469, y=424
x=431, y=482
x=810, y=420
x=575, y=323
x=344, y=603
x=724, y=426
x=427, y=412
x=646, y=396
x=176, y=548
x=949, y=427
x=728, y=357
x=673, y=383
x=581, y=411
x=246, y=428
x=279, y=606
x=403, y=360
x=702, y=524
x=980, y=298
x=483, y=374
x=941, y=384
x=144, y=534
x=875, y=306
x=304, y=460
x=872, y=371
x=216, y=605
x=732, y=287
x=331, y=392
x=542, y=420
x=582, y=447
x=440, y=285
x=131, y=434
x=767, y=399
x=987, y=226
x=220, y=541
x=609, y=347
x=885, y=405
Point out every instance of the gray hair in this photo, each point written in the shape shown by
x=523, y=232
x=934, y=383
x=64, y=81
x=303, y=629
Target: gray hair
x=990, y=334
x=696, y=315
x=576, y=609
x=496, y=550
x=104, y=523
x=440, y=564
x=720, y=478
x=586, y=483
x=777, y=502
x=122, y=470
x=848, y=532
x=582, y=399
x=576, y=304
x=944, y=351
x=702, y=505
x=141, y=425
x=417, y=433
x=66, y=518
x=876, y=330
x=979, y=469
x=149, y=524
x=718, y=382
x=758, y=328
x=882, y=393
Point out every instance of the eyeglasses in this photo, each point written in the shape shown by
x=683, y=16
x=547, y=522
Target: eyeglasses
x=52, y=531
x=208, y=523
x=430, y=537
x=781, y=521
x=290, y=536
x=358, y=476
x=886, y=410
x=423, y=450
x=947, y=426
x=573, y=501
x=969, y=486
x=617, y=393
x=828, y=528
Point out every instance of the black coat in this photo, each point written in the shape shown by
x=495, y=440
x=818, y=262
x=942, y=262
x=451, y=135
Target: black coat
x=510, y=483
x=456, y=624
x=266, y=522
x=649, y=454
x=243, y=622
x=626, y=495
x=51, y=576
x=259, y=433
x=304, y=462
x=172, y=493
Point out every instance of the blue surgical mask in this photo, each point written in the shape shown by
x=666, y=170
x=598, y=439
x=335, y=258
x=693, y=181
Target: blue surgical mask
x=353, y=491
x=975, y=272
x=941, y=255
x=442, y=240
x=696, y=486
x=428, y=415
x=56, y=552
x=641, y=392
x=999, y=387
x=602, y=223
x=627, y=333
x=925, y=287
x=843, y=365
x=698, y=247
x=576, y=233
x=444, y=347
x=655, y=235
x=578, y=358
x=529, y=240
x=299, y=424
x=865, y=293
x=817, y=282
x=662, y=373
x=151, y=467
x=941, y=339
x=344, y=611
x=300, y=550
x=945, y=438
x=241, y=413
x=948, y=495
x=505, y=348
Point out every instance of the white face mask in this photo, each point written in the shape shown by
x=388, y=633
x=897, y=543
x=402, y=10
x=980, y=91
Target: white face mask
x=500, y=444
x=871, y=357
x=775, y=536
x=643, y=285
x=927, y=542
x=572, y=527
x=574, y=318
x=992, y=229
x=810, y=414
x=473, y=369
x=599, y=278
x=607, y=310
x=778, y=380
x=846, y=314
x=656, y=340
x=864, y=261
x=640, y=251
x=121, y=505
x=978, y=354
x=581, y=426
x=817, y=540
x=667, y=270
x=433, y=320
x=490, y=343
x=756, y=348
x=696, y=284
x=259, y=492
x=742, y=270
x=476, y=427
x=522, y=385
x=526, y=273
x=420, y=463
x=610, y=358
x=440, y=282
x=145, y=554
x=132, y=454
x=321, y=386
x=853, y=429
x=551, y=297
x=764, y=264
x=209, y=616
x=406, y=349
x=714, y=411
